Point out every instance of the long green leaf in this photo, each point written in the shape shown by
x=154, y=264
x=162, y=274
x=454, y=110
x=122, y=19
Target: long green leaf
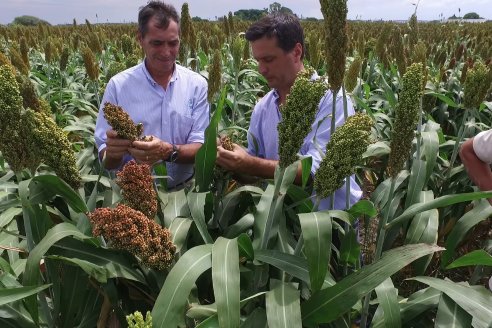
x=269, y=210
x=171, y=301
x=475, y=301
x=197, y=202
x=430, y=142
x=423, y=229
x=306, y=164
x=316, y=230
x=117, y=264
x=478, y=257
x=437, y=203
x=481, y=212
x=416, y=182
x=207, y=154
x=8, y=295
x=176, y=205
x=328, y=304
x=451, y=315
x=294, y=265
x=31, y=273
x=179, y=231
x=257, y=319
x=349, y=248
x=283, y=305
x=387, y=297
x=43, y=185
x=225, y=277
x=418, y=303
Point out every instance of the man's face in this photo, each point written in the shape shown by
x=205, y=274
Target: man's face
x=277, y=66
x=161, y=46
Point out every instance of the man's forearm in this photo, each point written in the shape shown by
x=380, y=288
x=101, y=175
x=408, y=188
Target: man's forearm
x=478, y=171
x=187, y=153
x=265, y=168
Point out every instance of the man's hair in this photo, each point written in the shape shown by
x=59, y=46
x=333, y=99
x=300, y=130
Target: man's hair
x=159, y=10
x=285, y=27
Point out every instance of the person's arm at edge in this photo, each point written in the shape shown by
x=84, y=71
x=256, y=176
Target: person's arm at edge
x=478, y=171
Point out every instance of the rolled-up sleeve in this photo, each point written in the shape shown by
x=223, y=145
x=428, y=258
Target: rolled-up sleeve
x=482, y=146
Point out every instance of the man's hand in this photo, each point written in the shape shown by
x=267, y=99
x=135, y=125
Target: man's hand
x=149, y=152
x=235, y=160
x=115, y=149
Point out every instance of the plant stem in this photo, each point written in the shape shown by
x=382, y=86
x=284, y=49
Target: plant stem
x=457, y=144
x=379, y=248
x=273, y=206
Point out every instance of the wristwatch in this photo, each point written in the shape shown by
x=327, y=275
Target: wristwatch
x=174, y=154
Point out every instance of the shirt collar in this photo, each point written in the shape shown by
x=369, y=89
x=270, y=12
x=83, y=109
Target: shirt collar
x=174, y=77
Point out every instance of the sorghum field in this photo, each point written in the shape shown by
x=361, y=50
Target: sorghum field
x=83, y=248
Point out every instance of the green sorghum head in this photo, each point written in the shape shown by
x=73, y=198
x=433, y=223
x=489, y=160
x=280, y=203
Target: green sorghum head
x=353, y=74
x=91, y=66
x=64, y=58
x=18, y=62
x=126, y=44
x=343, y=154
x=136, y=320
x=476, y=85
x=298, y=114
x=51, y=146
x=406, y=118
x=121, y=122
x=237, y=49
x=214, y=75
x=12, y=138
x=336, y=44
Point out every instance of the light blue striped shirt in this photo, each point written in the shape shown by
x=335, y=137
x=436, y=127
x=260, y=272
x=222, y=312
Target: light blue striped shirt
x=178, y=115
x=263, y=126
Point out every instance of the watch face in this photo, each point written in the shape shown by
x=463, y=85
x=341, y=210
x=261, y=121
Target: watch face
x=174, y=156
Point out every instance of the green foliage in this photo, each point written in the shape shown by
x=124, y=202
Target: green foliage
x=471, y=15
x=27, y=20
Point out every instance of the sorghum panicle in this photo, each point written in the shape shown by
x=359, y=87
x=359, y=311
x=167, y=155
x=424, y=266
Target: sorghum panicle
x=121, y=122
x=137, y=187
x=343, y=154
x=136, y=320
x=476, y=85
x=353, y=74
x=91, y=66
x=406, y=117
x=214, y=75
x=335, y=18
x=51, y=145
x=130, y=230
x=298, y=114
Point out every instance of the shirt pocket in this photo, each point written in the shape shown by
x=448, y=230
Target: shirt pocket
x=181, y=126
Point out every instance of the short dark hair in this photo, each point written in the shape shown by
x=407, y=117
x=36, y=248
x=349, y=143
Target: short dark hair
x=285, y=27
x=163, y=12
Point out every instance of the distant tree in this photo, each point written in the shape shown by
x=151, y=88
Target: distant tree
x=250, y=14
x=277, y=7
x=28, y=21
x=274, y=7
x=471, y=15
x=310, y=19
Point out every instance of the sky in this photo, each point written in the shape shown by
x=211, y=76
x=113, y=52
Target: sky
x=124, y=11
